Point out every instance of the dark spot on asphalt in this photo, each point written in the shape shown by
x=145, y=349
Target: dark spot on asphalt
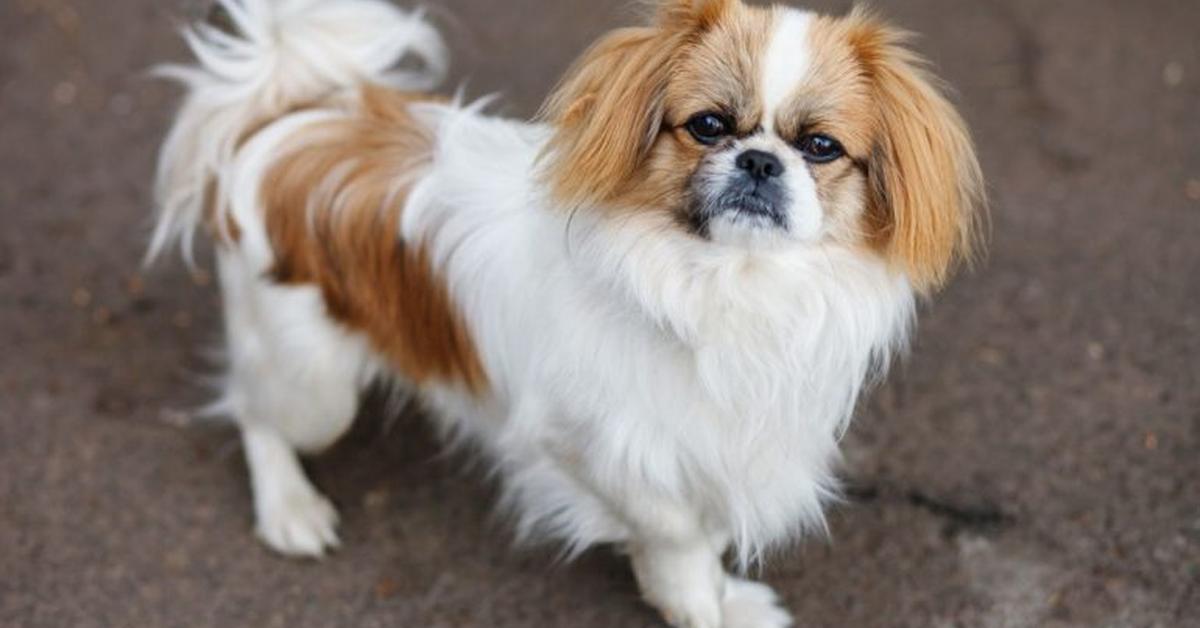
x=976, y=517
x=142, y=305
x=6, y=259
x=112, y=402
x=861, y=492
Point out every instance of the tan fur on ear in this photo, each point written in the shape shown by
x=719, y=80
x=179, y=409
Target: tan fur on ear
x=609, y=109
x=926, y=187
x=607, y=113
x=692, y=13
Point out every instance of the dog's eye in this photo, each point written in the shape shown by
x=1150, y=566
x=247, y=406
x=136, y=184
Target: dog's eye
x=820, y=149
x=708, y=128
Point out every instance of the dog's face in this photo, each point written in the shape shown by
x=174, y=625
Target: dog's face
x=770, y=127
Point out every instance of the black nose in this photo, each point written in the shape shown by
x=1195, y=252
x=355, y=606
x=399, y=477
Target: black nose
x=760, y=164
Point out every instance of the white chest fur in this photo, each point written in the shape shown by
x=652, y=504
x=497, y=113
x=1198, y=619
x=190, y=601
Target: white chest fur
x=634, y=371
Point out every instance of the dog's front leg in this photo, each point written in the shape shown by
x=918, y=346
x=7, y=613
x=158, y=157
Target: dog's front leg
x=679, y=568
x=677, y=558
x=682, y=577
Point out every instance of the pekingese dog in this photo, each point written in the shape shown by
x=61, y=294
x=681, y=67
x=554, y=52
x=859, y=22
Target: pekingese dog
x=652, y=309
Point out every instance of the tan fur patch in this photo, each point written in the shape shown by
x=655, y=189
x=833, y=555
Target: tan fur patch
x=720, y=71
x=333, y=205
x=620, y=111
x=924, y=186
x=607, y=112
x=221, y=225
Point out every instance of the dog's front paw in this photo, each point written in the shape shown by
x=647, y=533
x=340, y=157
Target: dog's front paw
x=300, y=523
x=749, y=604
x=696, y=614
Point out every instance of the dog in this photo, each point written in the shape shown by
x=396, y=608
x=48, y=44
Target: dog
x=652, y=309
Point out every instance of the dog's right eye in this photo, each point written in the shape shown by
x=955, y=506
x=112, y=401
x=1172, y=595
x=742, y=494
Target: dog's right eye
x=708, y=128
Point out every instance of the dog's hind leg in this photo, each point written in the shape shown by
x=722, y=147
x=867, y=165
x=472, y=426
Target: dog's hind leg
x=293, y=386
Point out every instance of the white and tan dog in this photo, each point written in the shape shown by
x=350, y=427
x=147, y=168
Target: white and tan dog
x=653, y=311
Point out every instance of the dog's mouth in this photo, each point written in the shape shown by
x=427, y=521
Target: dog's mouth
x=752, y=205
x=746, y=211
x=747, y=206
x=738, y=201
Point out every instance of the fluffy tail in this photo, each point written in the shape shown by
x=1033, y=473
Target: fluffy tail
x=266, y=57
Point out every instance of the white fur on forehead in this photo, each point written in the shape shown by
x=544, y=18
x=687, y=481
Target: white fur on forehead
x=786, y=62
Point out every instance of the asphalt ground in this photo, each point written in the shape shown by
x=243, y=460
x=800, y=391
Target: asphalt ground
x=1034, y=462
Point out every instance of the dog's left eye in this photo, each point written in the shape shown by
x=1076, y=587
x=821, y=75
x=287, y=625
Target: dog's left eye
x=820, y=149
x=708, y=128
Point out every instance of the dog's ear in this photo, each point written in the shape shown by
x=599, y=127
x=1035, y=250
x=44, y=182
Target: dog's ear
x=925, y=184
x=692, y=13
x=608, y=110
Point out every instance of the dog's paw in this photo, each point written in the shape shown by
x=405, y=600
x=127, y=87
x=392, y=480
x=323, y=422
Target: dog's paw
x=301, y=523
x=699, y=614
x=749, y=604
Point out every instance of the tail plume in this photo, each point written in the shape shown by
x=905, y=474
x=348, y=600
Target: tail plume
x=267, y=57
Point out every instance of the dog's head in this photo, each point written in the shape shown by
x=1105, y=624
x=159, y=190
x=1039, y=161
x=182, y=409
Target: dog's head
x=770, y=127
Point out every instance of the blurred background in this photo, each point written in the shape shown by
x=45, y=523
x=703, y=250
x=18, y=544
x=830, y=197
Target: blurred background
x=1035, y=462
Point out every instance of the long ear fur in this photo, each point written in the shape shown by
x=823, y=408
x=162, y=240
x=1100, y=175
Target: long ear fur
x=692, y=13
x=609, y=109
x=927, y=197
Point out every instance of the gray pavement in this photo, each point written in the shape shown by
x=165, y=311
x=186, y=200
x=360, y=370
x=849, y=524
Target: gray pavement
x=1035, y=462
